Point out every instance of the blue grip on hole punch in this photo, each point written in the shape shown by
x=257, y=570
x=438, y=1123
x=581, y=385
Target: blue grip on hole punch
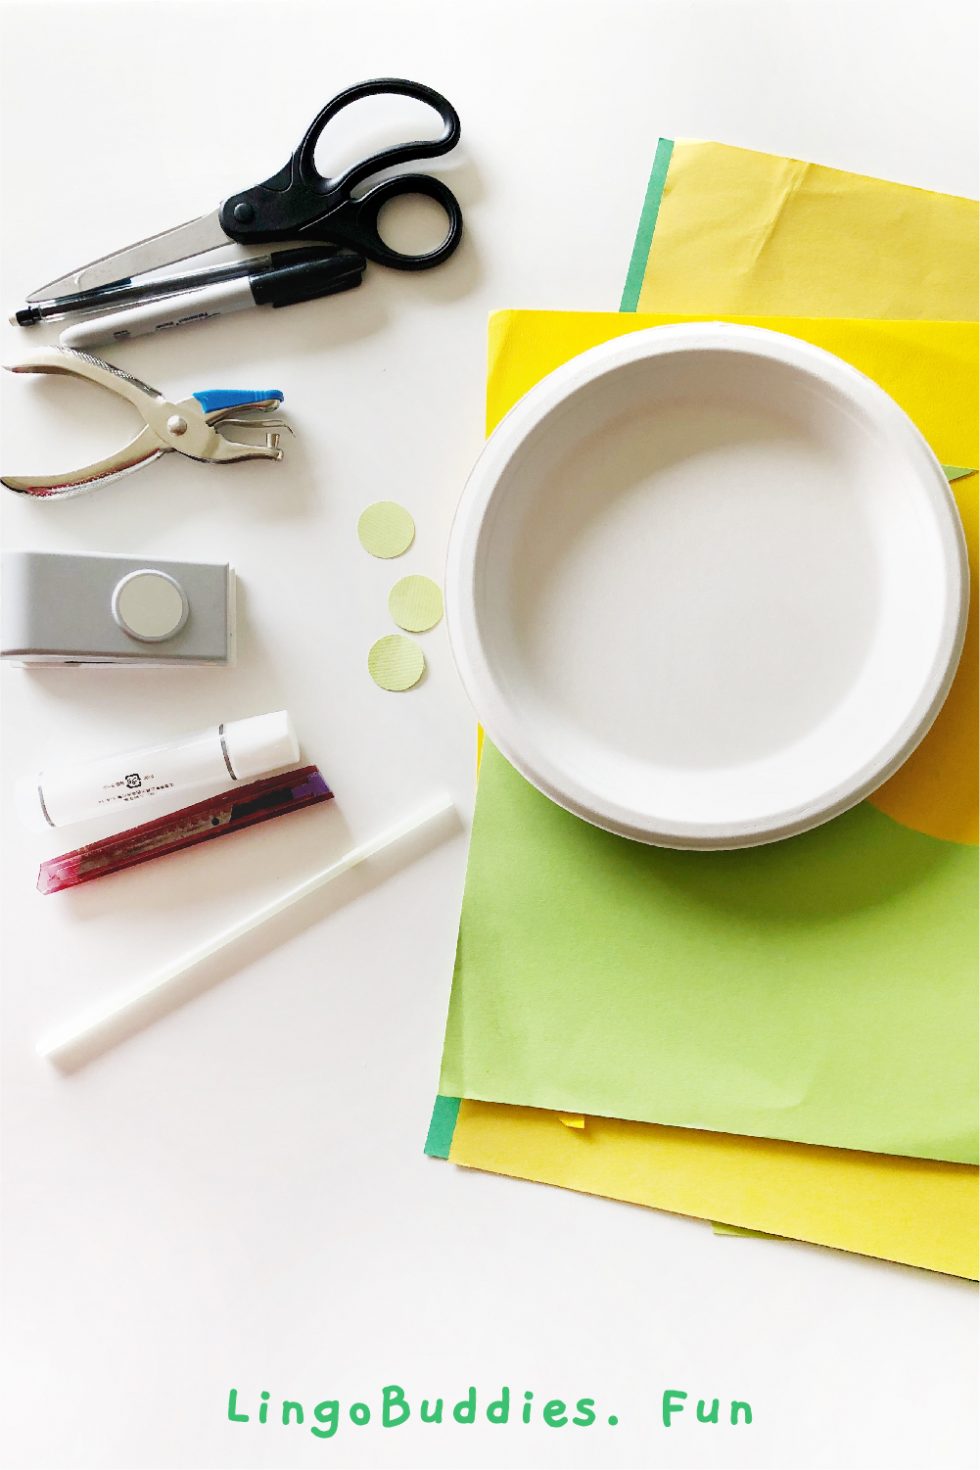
x=212, y=399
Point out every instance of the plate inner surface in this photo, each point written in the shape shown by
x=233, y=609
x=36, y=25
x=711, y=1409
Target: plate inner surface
x=707, y=588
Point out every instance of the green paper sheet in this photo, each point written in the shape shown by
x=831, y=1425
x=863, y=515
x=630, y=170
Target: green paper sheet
x=442, y=1126
x=819, y=990
x=647, y=225
x=742, y=1232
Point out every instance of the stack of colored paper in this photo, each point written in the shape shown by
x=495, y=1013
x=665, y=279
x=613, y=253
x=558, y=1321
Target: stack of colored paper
x=781, y=1038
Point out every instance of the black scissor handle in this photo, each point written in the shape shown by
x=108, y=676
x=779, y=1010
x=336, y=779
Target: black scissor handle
x=310, y=175
x=300, y=203
x=360, y=221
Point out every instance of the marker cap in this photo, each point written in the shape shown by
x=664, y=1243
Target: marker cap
x=258, y=745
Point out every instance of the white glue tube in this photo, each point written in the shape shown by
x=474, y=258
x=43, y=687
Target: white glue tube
x=116, y=784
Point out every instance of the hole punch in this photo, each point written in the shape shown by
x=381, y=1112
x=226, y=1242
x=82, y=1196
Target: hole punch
x=191, y=428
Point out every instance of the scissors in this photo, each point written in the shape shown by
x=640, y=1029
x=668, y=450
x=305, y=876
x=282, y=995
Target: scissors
x=297, y=203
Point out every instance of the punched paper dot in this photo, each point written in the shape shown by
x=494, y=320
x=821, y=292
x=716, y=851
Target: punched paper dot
x=415, y=603
x=396, y=663
x=386, y=529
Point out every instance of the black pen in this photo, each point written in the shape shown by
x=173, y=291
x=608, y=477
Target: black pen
x=278, y=279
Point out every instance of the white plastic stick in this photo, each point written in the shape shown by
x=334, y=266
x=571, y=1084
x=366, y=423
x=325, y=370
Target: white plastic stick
x=78, y=1036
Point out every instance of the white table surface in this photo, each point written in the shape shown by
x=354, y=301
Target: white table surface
x=237, y=1195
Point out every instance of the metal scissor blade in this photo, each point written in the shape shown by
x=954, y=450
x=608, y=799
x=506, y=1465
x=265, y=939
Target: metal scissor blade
x=193, y=238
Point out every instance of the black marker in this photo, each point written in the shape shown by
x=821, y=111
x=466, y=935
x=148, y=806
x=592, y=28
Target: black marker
x=280, y=279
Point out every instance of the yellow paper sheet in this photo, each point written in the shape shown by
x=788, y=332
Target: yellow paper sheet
x=749, y=233
x=755, y=234
x=741, y=231
x=909, y=1210
x=906, y=1210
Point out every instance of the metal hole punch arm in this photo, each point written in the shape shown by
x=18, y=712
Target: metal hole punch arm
x=190, y=427
x=138, y=452
x=77, y=364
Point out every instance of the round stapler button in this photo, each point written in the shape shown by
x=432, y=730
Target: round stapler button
x=149, y=606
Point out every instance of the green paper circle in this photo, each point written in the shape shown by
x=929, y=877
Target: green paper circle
x=396, y=663
x=415, y=604
x=386, y=529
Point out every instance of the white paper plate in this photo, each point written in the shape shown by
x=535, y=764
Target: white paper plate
x=707, y=586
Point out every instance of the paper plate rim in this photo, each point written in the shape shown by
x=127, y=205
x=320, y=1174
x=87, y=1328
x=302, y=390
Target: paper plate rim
x=499, y=721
